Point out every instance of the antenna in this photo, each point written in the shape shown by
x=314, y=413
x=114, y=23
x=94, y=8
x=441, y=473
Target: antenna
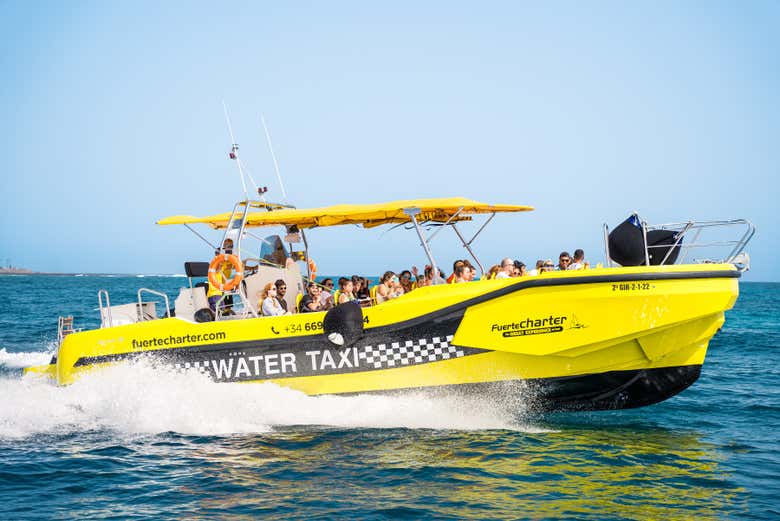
x=273, y=156
x=234, y=150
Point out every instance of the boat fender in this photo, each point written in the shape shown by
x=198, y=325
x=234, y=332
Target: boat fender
x=343, y=324
x=216, y=266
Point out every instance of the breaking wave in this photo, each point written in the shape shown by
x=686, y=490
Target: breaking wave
x=23, y=359
x=140, y=398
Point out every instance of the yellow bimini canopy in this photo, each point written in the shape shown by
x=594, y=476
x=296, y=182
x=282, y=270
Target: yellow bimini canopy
x=367, y=215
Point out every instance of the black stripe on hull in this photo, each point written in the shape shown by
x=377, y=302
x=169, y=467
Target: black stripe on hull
x=593, y=392
x=614, y=389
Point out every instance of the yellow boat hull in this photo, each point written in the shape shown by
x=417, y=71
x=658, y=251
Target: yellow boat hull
x=592, y=339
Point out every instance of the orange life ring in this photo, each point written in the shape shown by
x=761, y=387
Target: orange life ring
x=216, y=265
x=313, y=268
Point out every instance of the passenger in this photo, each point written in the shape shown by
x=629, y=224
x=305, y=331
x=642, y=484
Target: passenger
x=519, y=269
x=345, y=288
x=507, y=269
x=311, y=300
x=406, y=281
x=432, y=278
x=463, y=274
x=357, y=285
x=564, y=260
x=472, y=269
x=537, y=269
x=326, y=296
x=416, y=275
x=269, y=306
x=547, y=266
x=493, y=271
x=388, y=287
x=455, y=265
x=579, y=261
x=364, y=297
x=426, y=278
x=281, y=291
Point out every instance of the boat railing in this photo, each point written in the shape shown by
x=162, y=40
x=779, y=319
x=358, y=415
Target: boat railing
x=106, y=319
x=233, y=311
x=142, y=313
x=688, y=238
x=65, y=328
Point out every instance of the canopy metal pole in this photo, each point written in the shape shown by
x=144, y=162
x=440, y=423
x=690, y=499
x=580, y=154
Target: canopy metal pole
x=430, y=239
x=482, y=227
x=306, y=254
x=468, y=248
x=199, y=235
x=413, y=212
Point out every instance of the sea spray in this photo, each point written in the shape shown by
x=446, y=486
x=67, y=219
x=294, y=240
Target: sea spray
x=23, y=359
x=144, y=398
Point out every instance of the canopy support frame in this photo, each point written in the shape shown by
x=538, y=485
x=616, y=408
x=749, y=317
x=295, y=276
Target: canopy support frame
x=190, y=228
x=235, y=227
x=430, y=239
x=413, y=213
x=467, y=245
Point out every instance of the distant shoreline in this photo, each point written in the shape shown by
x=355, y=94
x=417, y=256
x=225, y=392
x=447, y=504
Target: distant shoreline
x=81, y=274
x=15, y=271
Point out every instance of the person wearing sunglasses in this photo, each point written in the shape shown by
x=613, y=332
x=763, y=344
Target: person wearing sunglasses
x=281, y=291
x=564, y=261
x=311, y=301
x=405, y=280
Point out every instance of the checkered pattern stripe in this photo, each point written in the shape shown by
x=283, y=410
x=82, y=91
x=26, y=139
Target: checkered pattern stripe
x=201, y=367
x=410, y=352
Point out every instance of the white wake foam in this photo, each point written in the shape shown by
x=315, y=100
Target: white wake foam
x=23, y=359
x=138, y=398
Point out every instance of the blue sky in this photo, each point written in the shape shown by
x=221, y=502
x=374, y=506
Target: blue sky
x=111, y=118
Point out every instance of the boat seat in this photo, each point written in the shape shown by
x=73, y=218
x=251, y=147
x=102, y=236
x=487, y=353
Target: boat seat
x=298, y=299
x=190, y=301
x=196, y=269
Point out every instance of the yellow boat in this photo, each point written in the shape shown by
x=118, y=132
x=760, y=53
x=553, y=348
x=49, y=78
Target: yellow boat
x=603, y=338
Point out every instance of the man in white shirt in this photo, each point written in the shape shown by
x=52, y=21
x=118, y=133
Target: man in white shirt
x=507, y=268
x=579, y=261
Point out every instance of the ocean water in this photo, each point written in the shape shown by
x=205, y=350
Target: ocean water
x=138, y=443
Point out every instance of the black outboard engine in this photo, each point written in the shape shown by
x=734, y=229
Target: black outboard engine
x=627, y=244
x=343, y=325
